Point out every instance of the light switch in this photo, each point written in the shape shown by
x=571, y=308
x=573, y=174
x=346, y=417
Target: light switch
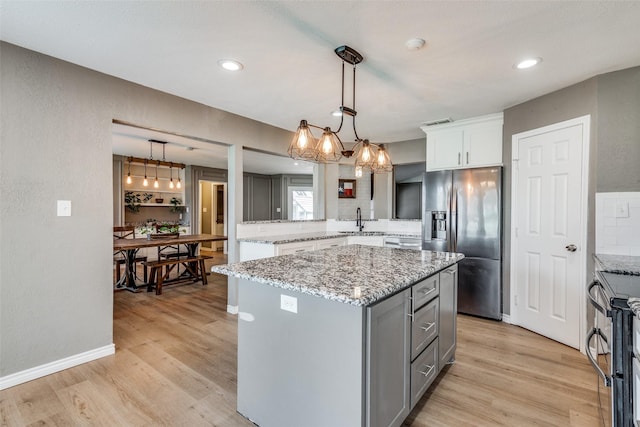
x=204, y=210
x=278, y=209
x=622, y=210
x=64, y=207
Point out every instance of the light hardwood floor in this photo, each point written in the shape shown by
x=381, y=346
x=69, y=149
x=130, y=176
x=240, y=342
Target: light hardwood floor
x=175, y=364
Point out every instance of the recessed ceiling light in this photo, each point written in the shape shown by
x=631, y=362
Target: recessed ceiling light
x=295, y=163
x=336, y=113
x=528, y=63
x=230, y=65
x=415, y=44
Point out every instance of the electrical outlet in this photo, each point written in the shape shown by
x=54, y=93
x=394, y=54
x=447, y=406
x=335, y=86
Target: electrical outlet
x=288, y=303
x=278, y=210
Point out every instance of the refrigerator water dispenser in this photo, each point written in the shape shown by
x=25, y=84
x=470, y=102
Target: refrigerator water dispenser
x=439, y=225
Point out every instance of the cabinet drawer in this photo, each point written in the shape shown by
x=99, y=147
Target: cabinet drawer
x=294, y=248
x=423, y=371
x=424, y=327
x=424, y=291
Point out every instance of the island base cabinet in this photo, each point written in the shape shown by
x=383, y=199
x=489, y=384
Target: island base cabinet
x=388, y=349
x=298, y=369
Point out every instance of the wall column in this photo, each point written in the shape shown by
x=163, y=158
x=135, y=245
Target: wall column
x=234, y=194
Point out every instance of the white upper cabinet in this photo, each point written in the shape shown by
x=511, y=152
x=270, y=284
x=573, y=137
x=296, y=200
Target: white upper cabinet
x=465, y=144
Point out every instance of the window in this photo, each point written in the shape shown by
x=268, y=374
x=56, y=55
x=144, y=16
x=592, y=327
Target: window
x=300, y=203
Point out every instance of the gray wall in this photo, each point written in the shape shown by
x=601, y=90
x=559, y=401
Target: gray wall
x=618, y=131
x=613, y=101
x=56, y=290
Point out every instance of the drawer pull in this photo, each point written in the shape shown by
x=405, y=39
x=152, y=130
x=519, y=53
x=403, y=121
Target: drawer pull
x=426, y=374
x=426, y=291
x=426, y=326
x=299, y=250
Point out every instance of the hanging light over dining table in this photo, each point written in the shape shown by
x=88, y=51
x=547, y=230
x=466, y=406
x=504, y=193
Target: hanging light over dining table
x=329, y=147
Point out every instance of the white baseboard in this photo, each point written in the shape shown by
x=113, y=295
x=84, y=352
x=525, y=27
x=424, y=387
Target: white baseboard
x=506, y=318
x=233, y=309
x=55, y=366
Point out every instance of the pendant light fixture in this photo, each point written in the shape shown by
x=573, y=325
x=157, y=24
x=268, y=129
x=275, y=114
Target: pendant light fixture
x=158, y=164
x=145, y=182
x=156, y=184
x=329, y=148
x=129, y=172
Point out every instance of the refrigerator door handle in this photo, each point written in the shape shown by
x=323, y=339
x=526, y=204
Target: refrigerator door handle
x=453, y=247
x=427, y=225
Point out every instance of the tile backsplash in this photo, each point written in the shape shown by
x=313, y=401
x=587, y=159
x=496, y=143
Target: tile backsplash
x=618, y=223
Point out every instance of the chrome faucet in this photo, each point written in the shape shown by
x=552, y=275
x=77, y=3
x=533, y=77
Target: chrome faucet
x=359, y=223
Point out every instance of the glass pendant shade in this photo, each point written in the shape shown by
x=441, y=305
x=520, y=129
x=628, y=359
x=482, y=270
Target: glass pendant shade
x=383, y=161
x=179, y=184
x=328, y=147
x=303, y=143
x=129, y=178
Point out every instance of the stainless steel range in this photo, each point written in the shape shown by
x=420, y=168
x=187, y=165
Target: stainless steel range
x=617, y=281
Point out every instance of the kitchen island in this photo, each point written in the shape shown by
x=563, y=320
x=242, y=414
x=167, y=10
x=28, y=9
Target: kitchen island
x=346, y=336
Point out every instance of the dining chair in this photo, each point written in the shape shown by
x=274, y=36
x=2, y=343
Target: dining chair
x=126, y=232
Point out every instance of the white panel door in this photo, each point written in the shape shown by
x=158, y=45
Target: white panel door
x=548, y=225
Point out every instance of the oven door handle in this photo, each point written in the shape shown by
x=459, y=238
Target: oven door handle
x=594, y=363
x=594, y=301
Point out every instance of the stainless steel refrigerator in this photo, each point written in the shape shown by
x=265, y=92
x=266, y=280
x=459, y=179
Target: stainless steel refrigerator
x=462, y=212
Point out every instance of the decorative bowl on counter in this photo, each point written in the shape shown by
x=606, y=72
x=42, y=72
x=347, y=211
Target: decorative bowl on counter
x=159, y=200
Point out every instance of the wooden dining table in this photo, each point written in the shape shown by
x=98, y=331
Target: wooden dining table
x=130, y=247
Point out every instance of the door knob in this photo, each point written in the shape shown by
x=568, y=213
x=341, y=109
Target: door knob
x=571, y=248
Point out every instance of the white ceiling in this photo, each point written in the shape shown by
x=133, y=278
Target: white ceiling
x=290, y=70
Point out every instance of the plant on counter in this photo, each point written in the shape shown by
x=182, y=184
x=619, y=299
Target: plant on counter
x=176, y=204
x=168, y=228
x=146, y=230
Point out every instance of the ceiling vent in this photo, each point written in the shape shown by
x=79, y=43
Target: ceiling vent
x=439, y=122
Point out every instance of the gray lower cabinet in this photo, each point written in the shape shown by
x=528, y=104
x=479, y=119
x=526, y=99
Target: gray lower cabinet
x=410, y=337
x=388, y=352
x=447, y=315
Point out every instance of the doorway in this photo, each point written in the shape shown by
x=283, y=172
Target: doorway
x=213, y=207
x=549, y=230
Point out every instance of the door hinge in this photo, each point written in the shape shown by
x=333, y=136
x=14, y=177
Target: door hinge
x=515, y=164
x=515, y=230
x=515, y=300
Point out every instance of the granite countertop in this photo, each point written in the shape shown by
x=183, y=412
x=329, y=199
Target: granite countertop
x=355, y=274
x=619, y=264
x=321, y=235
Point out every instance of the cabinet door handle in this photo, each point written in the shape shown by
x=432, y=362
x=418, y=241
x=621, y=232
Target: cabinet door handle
x=299, y=250
x=459, y=158
x=426, y=374
x=426, y=328
x=467, y=157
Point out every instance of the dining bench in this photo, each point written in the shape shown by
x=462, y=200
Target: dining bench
x=194, y=267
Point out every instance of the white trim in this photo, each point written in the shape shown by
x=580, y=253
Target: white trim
x=585, y=121
x=506, y=318
x=55, y=366
x=233, y=309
